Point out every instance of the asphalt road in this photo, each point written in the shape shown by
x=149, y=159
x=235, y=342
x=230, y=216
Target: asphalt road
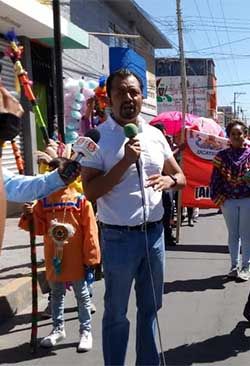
x=201, y=321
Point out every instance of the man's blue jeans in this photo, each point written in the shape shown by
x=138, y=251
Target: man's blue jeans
x=125, y=260
x=83, y=301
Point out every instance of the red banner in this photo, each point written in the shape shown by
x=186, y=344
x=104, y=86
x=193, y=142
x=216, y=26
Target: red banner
x=197, y=166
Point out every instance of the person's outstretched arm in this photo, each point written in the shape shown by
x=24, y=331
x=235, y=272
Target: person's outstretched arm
x=3, y=206
x=24, y=188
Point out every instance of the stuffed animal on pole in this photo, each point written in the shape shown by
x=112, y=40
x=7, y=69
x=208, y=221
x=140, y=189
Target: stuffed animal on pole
x=101, y=99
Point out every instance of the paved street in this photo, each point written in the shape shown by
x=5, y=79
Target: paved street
x=201, y=320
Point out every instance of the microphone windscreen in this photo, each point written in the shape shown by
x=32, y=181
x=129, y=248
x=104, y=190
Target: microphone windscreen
x=130, y=130
x=93, y=134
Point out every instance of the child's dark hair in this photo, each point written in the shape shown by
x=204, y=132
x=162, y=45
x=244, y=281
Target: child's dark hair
x=57, y=163
x=236, y=122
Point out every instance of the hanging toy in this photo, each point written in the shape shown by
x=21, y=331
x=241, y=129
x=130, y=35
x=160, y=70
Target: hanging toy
x=71, y=134
x=74, y=100
x=60, y=233
x=15, y=52
x=101, y=93
x=101, y=99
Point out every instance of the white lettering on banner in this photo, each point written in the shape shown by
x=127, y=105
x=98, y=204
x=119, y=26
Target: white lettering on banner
x=202, y=193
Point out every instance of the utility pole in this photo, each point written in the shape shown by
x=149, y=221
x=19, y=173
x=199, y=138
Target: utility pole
x=58, y=68
x=236, y=94
x=184, y=101
x=243, y=117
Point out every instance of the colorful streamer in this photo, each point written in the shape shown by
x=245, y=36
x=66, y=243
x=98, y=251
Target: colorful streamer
x=15, y=52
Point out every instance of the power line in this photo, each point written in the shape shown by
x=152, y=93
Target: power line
x=217, y=36
x=207, y=36
x=195, y=17
x=222, y=44
x=224, y=85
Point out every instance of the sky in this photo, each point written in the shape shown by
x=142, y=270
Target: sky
x=218, y=29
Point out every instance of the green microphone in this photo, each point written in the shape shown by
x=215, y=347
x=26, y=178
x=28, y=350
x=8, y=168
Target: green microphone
x=130, y=130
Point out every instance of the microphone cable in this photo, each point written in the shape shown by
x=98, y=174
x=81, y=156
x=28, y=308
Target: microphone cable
x=148, y=259
x=130, y=131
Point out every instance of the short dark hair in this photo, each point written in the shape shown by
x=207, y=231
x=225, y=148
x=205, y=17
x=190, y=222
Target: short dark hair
x=57, y=162
x=122, y=74
x=234, y=123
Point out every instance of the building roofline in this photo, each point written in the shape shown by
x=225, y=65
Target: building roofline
x=132, y=12
x=186, y=58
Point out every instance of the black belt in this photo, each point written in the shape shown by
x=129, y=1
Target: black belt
x=141, y=227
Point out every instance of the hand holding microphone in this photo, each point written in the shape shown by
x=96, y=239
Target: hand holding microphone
x=132, y=147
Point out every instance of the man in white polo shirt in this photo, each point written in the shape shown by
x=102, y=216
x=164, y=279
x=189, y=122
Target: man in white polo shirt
x=129, y=205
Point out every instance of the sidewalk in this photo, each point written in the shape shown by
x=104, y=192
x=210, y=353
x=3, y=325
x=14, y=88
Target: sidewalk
x=15, y=270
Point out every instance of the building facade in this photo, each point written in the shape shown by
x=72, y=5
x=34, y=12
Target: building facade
x=201, y=86
x=106, y=21
x=227, y=112
x=89, y=29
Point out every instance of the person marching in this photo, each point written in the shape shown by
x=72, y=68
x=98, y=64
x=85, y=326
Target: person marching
x=230, y=190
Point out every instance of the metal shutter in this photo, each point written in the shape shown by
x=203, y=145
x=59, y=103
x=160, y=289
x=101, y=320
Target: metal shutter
x=8, y=80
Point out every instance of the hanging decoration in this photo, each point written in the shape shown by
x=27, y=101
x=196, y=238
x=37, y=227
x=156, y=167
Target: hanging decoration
x=101, y=97
x=60, y=232
x=76, y=94
x=15, y=51
x=74, y=100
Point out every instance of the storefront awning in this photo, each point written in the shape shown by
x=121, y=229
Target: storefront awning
x=35, y=21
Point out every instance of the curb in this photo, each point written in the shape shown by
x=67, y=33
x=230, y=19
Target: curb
x=17, y=295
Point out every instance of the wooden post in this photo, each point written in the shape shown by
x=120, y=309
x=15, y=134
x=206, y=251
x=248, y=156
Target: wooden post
x=184, y=103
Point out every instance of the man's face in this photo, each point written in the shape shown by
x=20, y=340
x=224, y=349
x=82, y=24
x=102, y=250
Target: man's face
x=125, y=99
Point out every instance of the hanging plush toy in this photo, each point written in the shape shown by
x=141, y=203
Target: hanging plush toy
x=101, y=99
x=60, y=233
x=74, y=100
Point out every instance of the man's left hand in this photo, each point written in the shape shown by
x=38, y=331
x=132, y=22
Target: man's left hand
x=159, y=182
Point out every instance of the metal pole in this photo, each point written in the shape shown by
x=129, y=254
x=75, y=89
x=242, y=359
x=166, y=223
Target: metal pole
x=235, y=105
x=234, y=102
x=59, y=70
x=184, y=103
